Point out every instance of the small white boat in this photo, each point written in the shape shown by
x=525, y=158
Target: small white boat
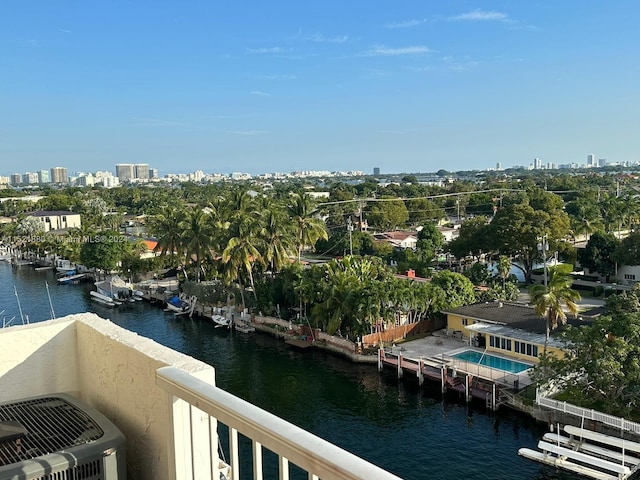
x=220, y=321
x=64, y=265
x=116, y=288
x=103, y=299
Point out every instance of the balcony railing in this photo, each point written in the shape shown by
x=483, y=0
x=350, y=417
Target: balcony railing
x=198, y=407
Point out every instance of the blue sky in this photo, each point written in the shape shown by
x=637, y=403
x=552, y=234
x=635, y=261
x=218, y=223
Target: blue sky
x=407, y=86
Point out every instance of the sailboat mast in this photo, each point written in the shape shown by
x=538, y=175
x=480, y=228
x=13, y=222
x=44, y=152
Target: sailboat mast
x=53, y=314
x=19, y=306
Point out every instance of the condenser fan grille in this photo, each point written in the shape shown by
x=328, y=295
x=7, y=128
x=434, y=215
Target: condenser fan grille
x=49, y=424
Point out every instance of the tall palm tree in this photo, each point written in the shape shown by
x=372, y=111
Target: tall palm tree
x=278, y=245
x=196, y=237
x=242, y=252
x=504, y=267
x=309, y=229
x=550, y=301
x=167, y=227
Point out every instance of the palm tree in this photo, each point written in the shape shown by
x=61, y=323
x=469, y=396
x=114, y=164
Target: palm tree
x=550, y=301
x=504, y=267
x=196, y=237
x=278, y=245
x=242, y=252
x=309, y=229
x=168, y=230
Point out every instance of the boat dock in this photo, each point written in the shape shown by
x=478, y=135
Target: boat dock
x=588, y=453
x=442, y=371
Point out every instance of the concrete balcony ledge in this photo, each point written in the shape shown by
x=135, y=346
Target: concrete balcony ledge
x=164, y=402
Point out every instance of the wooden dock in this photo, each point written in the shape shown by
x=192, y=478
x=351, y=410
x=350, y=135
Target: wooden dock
x=440, y=371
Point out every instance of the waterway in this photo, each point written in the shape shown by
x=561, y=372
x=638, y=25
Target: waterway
x=410, y=431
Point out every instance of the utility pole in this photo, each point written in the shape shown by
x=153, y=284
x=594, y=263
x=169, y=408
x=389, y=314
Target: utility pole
x=543, y=247
x=350, y=230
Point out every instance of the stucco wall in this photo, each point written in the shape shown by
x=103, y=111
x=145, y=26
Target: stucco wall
x=111, y=369
x=116, y=375
x=38, y=359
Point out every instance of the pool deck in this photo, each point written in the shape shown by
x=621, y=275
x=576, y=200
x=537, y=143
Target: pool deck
x=435, y=345
x=439, y=348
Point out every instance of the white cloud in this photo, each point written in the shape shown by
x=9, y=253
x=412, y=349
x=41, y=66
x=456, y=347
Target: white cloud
x=259, y=93
x=381, y=50
x=406, y=23
x=319, y=38
x=482, y=15
x=266, y=50
x=64, y=30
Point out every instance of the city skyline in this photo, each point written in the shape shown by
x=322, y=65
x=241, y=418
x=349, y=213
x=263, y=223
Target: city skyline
x=332, y=86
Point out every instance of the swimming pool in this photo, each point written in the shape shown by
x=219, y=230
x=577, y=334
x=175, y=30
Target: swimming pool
x=492, y=361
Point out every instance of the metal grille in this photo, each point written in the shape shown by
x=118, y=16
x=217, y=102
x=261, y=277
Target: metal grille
x=87, y=471
x=52, y=425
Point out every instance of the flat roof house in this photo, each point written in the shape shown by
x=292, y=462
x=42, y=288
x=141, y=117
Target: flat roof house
x=57, y=220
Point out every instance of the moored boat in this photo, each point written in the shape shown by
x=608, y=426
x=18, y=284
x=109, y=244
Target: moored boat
x=179, y=305
x=219, y=320
x=72, y=279
x=104, y=299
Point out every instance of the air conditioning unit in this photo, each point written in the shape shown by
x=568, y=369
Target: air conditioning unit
x=57, y=437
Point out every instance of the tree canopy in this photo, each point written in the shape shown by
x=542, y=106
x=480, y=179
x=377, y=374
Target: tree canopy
x=601, y=365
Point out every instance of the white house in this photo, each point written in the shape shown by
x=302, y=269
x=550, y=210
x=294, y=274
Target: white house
x=57, y=220
x=398, y=239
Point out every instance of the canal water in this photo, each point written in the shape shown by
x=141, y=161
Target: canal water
x=410, y=431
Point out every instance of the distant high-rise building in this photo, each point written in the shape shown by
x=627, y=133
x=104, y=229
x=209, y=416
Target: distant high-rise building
x=59, y=175
x=376, y=170
x=125, y=172
x=85, y=180
x=43, y=176
x=498, y=166
x=537, y=164
x=153, y=173
x=602, y=162
x=110, y=181
x=16, y=179
x=591, y=160
x=30, y=178
x=142, y=171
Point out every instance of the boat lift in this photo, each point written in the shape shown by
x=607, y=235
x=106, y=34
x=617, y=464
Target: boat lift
x=588, y=453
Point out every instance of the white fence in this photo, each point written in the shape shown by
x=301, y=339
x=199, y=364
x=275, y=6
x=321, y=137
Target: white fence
x=199, y=406
x=588, y=414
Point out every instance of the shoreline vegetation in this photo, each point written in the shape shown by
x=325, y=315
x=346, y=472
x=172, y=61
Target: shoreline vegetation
x=395, y=250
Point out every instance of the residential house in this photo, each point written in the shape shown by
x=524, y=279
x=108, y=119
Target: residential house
x=511, y=329
x=398, y=239
x=449, y=233
x=57, y=220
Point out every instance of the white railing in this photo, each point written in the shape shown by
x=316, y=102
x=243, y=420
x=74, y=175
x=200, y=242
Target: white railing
x=588, y=414
x=199, y=406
